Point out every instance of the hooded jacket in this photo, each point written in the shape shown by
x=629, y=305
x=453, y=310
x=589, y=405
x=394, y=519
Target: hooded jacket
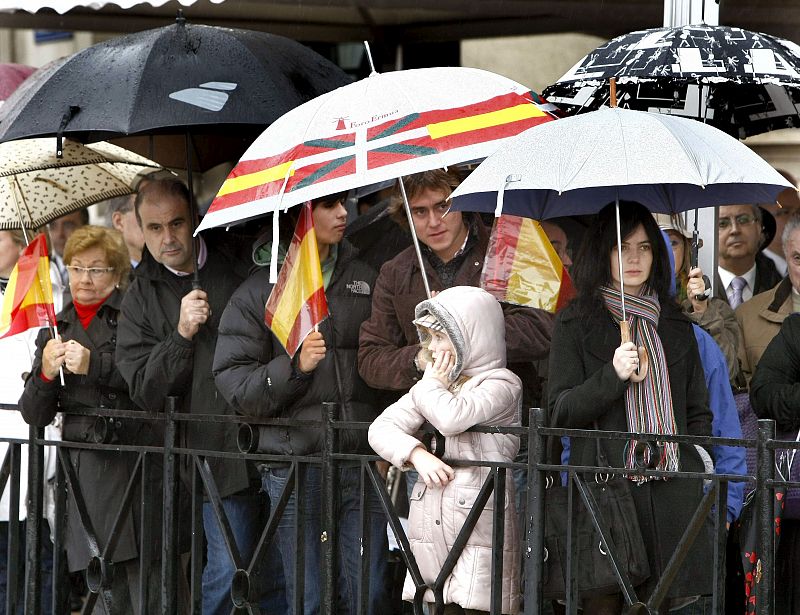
x=256, y=376
x=485, y=393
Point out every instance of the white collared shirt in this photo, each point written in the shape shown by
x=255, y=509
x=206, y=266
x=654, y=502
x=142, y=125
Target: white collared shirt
x=727, y=277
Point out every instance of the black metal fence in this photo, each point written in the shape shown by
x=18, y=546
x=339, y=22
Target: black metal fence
x=185, y=474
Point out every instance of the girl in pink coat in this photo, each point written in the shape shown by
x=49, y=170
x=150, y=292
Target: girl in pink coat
x=465, y=383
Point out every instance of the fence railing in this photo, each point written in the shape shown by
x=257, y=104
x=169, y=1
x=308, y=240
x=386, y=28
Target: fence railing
x=185, y=477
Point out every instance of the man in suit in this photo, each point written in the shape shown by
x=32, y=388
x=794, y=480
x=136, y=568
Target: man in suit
x=742, y=270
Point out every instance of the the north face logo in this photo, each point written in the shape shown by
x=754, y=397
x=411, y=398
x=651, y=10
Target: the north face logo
x=358, y=287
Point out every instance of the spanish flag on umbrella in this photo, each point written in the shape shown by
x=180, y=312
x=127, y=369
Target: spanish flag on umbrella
x=297, y=302
x=28, y=301
x=521, y=266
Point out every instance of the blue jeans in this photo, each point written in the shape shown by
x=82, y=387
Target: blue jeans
x=46, y=589
x=349, y=540
x=246, y=515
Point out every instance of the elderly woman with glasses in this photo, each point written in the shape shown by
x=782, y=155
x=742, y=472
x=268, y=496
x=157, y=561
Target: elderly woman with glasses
x=83, y=355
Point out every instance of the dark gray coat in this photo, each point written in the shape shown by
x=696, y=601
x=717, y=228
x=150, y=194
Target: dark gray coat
x=102, y=475
x=156, y=361
x=583, y=378
x=256, y=376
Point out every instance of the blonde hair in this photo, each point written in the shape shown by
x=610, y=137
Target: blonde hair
x=109, y=240
x=18, y=237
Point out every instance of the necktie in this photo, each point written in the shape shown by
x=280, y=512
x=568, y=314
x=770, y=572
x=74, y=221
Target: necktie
x=737, y=286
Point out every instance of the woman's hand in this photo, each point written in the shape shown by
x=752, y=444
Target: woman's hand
x=696, y=286
x=432, y=470
x=76, y=358
x=441, y=367
x=53, y=357
x=626, y=360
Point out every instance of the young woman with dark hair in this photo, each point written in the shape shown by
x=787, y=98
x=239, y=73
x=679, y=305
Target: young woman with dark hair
x=595, y=383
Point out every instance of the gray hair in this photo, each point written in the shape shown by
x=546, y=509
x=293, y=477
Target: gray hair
x=792, y=224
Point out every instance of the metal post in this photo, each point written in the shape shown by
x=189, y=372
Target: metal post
x=33, y=528
x=169, y=545
x=765, y=507
x=683, y=12
x=328, y=529
x=534, y=519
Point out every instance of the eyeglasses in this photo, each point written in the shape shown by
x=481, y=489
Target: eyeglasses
x=94, y=272
x=741, y=220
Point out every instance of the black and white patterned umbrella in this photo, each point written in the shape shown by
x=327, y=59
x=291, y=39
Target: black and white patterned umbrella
x=742, y=82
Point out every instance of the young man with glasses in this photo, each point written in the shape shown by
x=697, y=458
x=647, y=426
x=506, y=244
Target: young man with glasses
x=742, y=270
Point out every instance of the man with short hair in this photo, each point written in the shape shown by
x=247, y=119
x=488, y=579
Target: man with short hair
x=760, y=318
x=453, y=248
x=123, y=218
x=742, y=270
x=165, y=347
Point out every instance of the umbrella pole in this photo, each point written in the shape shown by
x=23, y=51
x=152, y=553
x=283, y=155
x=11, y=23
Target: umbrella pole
x=414, y=238
x=619, y=261
x=192, y=212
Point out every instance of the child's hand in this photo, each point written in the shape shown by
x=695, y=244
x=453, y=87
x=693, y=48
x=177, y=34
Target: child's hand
x=441, y=367
x=432, y=470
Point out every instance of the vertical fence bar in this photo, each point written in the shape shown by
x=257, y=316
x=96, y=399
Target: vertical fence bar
x=765, y=511
x=169, y=544
x=61, y=585
x=534, y=520
x=33, y=528
x=14, y=565
x=197, y=551
x=328, y=526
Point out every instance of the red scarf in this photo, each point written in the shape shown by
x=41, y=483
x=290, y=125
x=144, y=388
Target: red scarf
x=87, y=312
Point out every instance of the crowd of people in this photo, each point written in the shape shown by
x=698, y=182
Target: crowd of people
x=145, y=312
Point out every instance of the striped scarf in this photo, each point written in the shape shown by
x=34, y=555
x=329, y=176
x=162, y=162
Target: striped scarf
x=648, y=404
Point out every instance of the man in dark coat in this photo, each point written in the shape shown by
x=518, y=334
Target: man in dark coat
x=165, y=347
x=742, y=234
x=256, y=375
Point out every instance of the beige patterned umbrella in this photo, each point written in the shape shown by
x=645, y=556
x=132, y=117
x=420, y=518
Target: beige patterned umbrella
x=36, y=187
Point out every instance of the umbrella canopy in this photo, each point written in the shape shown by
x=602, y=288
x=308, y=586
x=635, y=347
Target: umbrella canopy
x=36, y=187
x=742, y=82
x=169, y=79
x=382, y=127
x=579, y=164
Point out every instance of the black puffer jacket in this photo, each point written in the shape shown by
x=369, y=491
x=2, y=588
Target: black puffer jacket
x=255, y=375
x=156, y=361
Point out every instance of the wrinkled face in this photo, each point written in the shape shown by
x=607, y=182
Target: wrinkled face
x=89, y=278
x=9, y=253
x=444, y=236
x=637, y=261
x=678, y=244
x=792, y=251
x=61, y=228
x=440, y=343
x=739, y=233
x=558, y=239
x=330, y=220
x=167, y=230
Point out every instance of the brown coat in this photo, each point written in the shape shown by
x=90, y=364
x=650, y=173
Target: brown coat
x=388, y=341
x=760, y=320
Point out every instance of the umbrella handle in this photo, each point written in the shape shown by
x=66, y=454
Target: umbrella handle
x=644, y=362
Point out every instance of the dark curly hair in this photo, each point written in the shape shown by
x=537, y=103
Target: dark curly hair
x=592, y=266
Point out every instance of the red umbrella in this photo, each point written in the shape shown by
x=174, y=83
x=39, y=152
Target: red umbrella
x=11, y=75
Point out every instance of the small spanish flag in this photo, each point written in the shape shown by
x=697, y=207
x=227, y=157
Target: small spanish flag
x=28, y=302
x=521, y=266
x=297, y=302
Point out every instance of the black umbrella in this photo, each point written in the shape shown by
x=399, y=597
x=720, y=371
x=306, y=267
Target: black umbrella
x=742, y=82
x=181, y=78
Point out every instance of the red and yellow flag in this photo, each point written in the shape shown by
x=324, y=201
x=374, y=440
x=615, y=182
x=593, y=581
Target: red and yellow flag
x=297, y=302
x=521, y=266
x=28, y=302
